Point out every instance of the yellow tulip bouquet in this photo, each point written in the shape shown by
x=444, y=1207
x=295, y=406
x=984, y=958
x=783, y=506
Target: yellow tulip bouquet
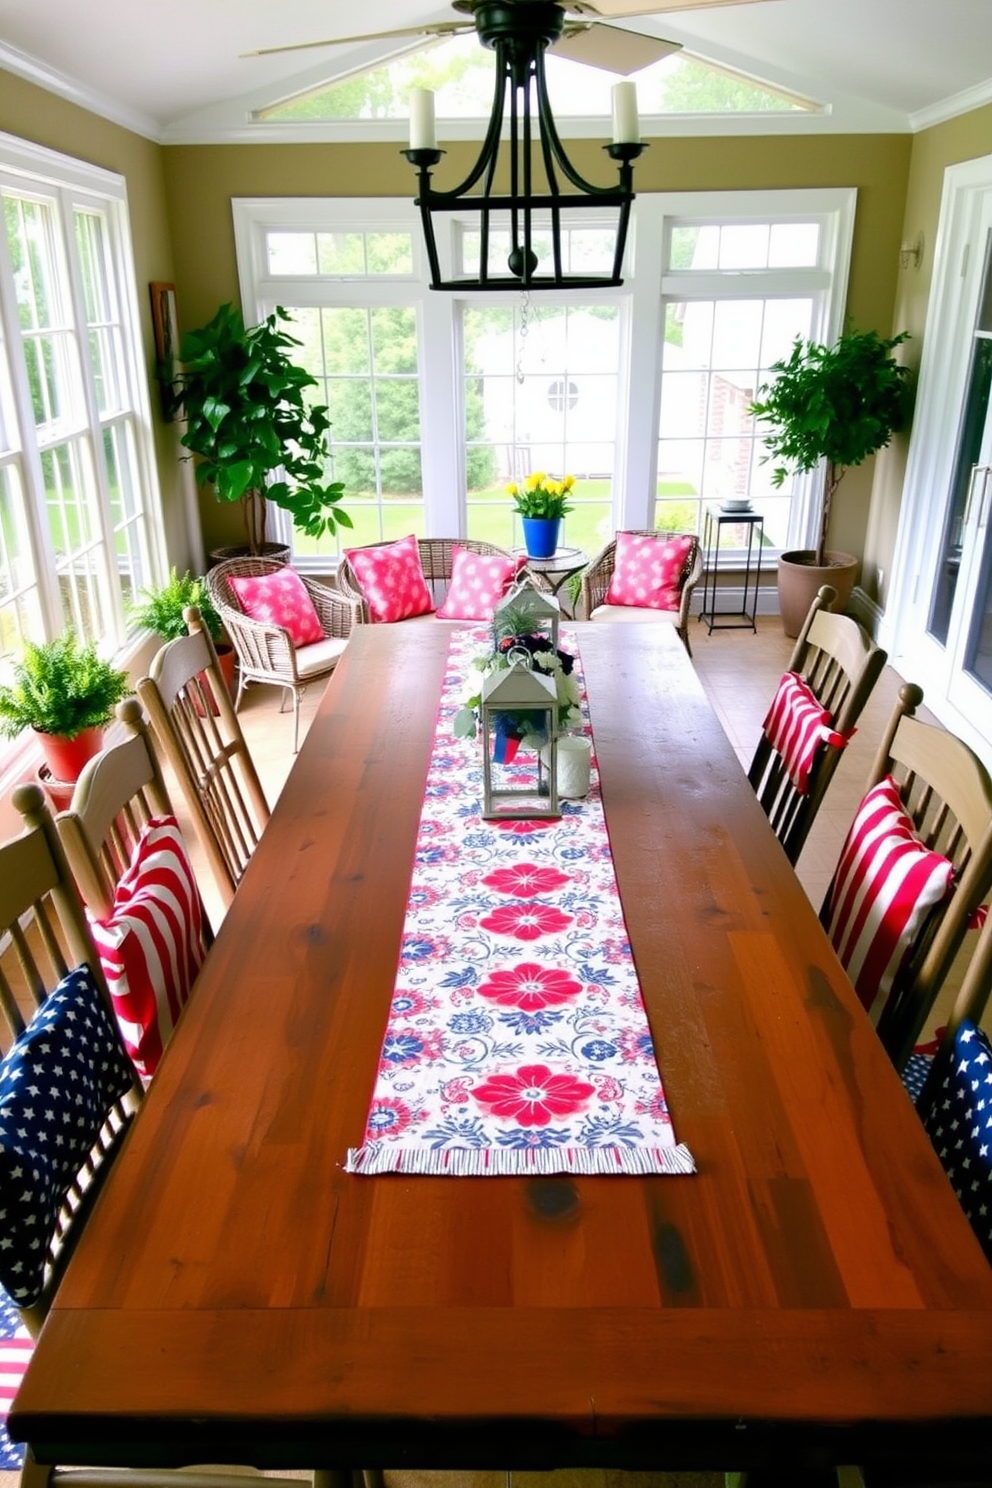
x=541, y=495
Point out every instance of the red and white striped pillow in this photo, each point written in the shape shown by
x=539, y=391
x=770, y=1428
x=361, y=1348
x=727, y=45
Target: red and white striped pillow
x=885, y=886
x=797, y=727
x=151, y=947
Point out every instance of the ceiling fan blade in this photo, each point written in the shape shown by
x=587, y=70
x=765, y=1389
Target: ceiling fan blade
x=617, y=10
x=615, y=50
x=433, y=28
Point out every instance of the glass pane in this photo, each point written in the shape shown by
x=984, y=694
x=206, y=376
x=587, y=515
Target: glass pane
x=346, y=341
x=744, y=246
x=350, y=405
x=390, y=253
x=291, y=252
x=394, y=340
x=341, y=253
x=794, y=245
x=976, y=413
x=397, y=408
x=20, y=606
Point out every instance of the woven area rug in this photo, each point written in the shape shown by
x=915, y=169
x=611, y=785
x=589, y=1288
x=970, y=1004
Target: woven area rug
x=517, y=1040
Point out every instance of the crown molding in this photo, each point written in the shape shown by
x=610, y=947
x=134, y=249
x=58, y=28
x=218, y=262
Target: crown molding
x=953, y=107
x=23, y=65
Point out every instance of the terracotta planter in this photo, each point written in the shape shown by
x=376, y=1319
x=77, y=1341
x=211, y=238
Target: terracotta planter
x=65, y=758
x=800, y=578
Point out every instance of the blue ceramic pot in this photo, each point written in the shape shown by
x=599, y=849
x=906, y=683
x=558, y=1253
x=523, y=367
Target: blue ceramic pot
x=541, y=536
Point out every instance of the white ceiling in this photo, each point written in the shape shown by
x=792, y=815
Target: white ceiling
x=172, y=69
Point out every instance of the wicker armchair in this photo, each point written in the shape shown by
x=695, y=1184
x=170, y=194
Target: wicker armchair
x=266, y=652
x=436, y=554
x=594, y=604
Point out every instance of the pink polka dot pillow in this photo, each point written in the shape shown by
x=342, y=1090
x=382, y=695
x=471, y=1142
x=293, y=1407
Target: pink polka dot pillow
x=391, y=579
x=279, y=598
x=648, y=571
x=478, y=583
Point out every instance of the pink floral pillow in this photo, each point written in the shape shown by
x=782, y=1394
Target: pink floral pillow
x=478, y=583
x=391, y=579
x=280, y=598
x=647, y=571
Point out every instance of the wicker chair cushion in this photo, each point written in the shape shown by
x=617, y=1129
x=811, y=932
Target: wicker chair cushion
x=797, y=726
x=648, y=572
x=478, y=583
x=391, y=578
x=885, y=887
x=71, y=1053
x=279, y=598
x=152, y=945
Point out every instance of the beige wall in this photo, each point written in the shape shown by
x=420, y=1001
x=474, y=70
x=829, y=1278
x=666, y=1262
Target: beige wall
x=35, y=115
x=966, y=138
x=201, y=180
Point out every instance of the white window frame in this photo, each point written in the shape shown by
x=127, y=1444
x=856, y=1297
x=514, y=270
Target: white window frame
x=642, y=298
x=75, y=185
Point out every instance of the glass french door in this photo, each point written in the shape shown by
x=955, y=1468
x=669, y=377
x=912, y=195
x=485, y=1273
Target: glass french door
x=945, y=576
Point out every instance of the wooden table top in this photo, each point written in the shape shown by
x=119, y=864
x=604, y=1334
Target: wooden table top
x=813, y=1289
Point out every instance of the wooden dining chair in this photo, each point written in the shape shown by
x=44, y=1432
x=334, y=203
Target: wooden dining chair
x=839, y=664
x=197, y=730
x=128, y=858
x=51, y=989
x=913, y=873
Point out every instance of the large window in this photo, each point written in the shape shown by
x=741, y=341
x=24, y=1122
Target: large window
x=641, y=393
x=76, y=538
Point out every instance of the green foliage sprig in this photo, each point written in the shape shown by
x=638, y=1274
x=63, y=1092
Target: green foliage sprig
x=162, y=609
x=837, y=403
x=61, y=687
x=247, y=417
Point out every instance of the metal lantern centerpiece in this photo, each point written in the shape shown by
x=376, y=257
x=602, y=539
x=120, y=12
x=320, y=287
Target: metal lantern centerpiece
x=530, y=788
x=526, y=609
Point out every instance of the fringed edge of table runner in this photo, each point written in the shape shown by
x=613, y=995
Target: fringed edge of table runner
x=514, y=1161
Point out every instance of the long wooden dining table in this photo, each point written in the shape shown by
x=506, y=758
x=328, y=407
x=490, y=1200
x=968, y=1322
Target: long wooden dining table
x=811, y=1295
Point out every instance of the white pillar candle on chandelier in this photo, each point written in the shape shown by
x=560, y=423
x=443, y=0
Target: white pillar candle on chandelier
x=626, y=130
x=423, y=135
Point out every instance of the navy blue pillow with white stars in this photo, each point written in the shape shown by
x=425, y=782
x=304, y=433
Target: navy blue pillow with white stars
x=57, y=1084
x=959, y=1122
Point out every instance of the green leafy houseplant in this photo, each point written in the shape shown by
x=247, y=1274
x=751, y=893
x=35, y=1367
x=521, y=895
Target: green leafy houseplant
x=161, y=610
x=836, y=403
x=61, y=687
x=249, y=420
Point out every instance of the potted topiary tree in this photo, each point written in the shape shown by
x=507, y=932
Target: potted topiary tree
x=837, y=404
x=66, y=693
x=161, y=611
x=248, y=419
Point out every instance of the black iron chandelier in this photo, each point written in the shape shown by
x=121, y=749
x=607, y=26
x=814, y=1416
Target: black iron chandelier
x=531, y=214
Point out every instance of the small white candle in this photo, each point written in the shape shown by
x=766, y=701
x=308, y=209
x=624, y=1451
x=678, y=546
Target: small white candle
x=625, y=126
x=422, y=132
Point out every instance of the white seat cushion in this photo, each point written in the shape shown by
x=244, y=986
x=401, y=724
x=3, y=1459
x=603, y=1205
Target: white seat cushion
x=320, y=657
x=628, y=613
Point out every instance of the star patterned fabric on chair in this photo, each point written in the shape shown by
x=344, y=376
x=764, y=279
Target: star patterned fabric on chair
x=959, y=1123
x=58, y=1083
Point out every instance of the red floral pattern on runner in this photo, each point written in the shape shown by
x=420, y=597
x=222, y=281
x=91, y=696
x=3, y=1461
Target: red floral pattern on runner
x=526, y=921
x=517, y=1039
x=534, y=1094
x=530, y=987
x=525, y=880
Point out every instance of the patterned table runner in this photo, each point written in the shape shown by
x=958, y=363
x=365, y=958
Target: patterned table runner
x=517, y=1041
